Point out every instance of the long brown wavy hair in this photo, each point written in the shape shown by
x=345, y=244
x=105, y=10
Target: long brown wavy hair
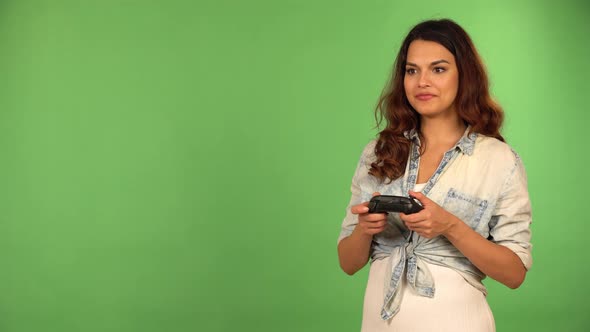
x=473, y=101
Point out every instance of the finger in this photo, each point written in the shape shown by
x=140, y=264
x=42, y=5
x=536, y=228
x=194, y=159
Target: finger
x=378, y=224
x=360, y=208
x=416, y=226
x=372, y=217
x=376, y=194
x=374, y=231
x=418, y=195
x=417, y=229
x=412, y=218
x=425, y=201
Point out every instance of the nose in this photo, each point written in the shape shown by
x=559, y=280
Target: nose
x=424, y=81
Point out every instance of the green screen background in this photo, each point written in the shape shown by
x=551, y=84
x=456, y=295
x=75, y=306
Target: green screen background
x=185, y=166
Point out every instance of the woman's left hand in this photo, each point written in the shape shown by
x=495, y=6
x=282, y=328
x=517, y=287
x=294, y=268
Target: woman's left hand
x=432, y=221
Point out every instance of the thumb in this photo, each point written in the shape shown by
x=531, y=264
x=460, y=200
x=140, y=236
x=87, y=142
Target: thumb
x=376, y=194
x=419, y=196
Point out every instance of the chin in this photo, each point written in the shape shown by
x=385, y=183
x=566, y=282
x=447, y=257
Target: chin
x=432, y=110
x=427, y=111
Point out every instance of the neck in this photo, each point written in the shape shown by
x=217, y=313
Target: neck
x=442, y=131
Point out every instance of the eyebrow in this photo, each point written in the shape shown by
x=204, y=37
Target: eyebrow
x=431, y=64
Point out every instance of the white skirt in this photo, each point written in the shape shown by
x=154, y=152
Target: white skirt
x=456, y=306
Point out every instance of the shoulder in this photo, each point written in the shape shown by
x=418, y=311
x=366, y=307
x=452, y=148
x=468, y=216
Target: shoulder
x=495, y=152
x=368, y=153
x=369, y=149
x=365, y=181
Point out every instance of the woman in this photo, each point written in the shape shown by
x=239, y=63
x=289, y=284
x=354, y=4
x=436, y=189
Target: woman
x=441, y=145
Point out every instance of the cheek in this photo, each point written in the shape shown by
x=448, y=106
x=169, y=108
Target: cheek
x=451, y=87
x=407, y=87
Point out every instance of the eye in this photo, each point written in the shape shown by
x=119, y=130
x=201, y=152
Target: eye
x=439, y=69
x=410, y=71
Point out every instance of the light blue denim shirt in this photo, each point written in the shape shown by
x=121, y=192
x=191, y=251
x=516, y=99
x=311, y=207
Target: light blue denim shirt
x=481, y=180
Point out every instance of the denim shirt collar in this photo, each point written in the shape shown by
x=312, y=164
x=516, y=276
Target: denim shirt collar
x=465, y=144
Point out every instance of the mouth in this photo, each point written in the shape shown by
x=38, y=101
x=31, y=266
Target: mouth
x=424, y=97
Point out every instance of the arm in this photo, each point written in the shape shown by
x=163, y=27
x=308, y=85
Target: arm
x=505, y=256
x=353, y=250
x=358, y=227
x=496, y=261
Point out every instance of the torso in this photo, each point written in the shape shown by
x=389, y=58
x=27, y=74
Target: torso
x=457, y=306
x=434, y=153
x=429, y=162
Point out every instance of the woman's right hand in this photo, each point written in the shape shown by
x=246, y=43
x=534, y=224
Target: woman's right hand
x=369, y=223
x=353, y=250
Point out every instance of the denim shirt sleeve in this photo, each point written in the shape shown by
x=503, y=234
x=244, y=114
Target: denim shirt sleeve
x=360, y=190
x=511, y=219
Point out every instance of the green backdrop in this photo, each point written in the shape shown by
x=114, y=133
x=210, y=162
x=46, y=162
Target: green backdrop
x=185, y=165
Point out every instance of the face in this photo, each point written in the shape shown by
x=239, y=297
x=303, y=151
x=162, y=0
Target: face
x=431, y=79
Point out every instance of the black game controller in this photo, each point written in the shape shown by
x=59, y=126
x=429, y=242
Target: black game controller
x=387, y=203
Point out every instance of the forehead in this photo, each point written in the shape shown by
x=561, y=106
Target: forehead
x=425, y=52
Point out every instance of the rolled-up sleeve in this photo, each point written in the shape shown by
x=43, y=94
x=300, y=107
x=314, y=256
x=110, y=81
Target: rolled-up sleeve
x=358, y=195
x=512, y=217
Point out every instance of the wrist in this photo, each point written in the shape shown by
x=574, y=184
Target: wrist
x=361, y=236
x=456, y=228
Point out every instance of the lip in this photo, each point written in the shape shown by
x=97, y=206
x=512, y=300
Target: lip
x=424, y=96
